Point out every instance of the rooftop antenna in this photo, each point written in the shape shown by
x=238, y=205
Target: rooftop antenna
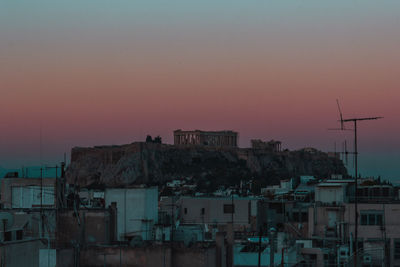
x=342, y=127
x=336, y=156
x=341, y=115
x=345, y=153
x=354, y=121
x=40, y=144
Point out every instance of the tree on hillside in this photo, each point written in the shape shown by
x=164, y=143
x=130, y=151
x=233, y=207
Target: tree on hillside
x=157, y=140
x=149, y=139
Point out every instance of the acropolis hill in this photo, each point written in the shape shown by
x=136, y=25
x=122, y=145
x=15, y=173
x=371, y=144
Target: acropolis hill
x=153, y=163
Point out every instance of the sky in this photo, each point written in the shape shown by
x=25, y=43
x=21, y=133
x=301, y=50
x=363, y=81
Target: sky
x=85, y=73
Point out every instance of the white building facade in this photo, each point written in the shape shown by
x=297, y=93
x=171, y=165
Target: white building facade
x=137, y=211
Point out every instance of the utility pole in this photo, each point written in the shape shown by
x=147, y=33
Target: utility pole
x=172, y=231
x=271, y=246
x=233, y=209
x=41, y=201
x=355, y=120
x=259, y=246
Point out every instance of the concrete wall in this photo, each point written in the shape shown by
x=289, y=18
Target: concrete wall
x=214, y=210
x=195, y=257
x=21, y=253
x=25, y=192
x=321, y=217
x=330, y=194
x=94, y=228
x=29, y=222
x=250, y=259
x=47, y=258
x=318, y=254
x=65, y=257
x=390, y=227
x=137, y=210
x=126, y=256
x=152, y=256
x=189, y=233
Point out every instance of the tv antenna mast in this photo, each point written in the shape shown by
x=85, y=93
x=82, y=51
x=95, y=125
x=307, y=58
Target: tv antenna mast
x=345, y=153
x=342, y=127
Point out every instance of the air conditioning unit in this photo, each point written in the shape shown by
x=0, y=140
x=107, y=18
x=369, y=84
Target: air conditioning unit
x=344, y=253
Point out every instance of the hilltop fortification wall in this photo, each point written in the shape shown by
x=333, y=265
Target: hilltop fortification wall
x=156, y=163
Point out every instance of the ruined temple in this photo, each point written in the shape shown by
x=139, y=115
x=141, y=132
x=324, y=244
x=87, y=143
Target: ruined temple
x=275, y=146
x=206, y=138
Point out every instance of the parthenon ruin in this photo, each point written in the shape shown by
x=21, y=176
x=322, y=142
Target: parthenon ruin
x=206, y=138
x=275, y=146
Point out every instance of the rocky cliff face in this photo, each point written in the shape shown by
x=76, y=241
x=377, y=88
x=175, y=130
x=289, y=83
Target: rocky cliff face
x=157, y=163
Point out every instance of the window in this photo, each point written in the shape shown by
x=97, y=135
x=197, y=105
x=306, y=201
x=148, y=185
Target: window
x=19, y=234
x=7, y=236
x=371, y=217
x=379, y=219
x=202, y=211
x=185, y=210
x=364, y=219
x=229, y=208
x=304, y=217
x=397, y=249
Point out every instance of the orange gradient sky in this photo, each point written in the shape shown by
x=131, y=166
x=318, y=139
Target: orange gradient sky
x=102, y=72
